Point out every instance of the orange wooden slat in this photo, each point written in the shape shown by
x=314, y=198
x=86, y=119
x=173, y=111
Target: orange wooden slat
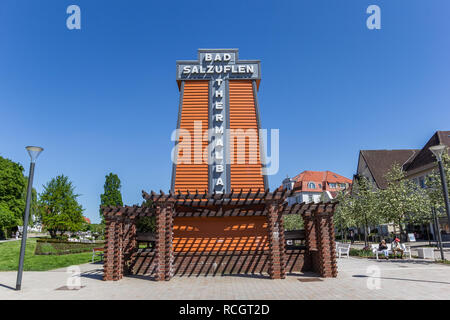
x=243, y=116
x=194, y=108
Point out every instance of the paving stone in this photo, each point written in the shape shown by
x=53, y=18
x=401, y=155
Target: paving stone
x=400, y=279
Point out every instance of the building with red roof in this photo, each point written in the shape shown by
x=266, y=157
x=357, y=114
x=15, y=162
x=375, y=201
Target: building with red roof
x=312, y=186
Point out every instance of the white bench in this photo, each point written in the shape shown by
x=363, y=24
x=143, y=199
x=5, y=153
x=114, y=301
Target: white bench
x=377, y=252
x=342, y=248
x=406, y=250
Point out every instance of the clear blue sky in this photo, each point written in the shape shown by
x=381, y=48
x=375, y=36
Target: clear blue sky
x=104, y=98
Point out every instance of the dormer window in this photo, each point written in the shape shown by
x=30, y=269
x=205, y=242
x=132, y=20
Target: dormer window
x=311, y=185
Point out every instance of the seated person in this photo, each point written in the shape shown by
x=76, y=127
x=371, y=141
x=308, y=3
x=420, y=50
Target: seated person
x=383, y=247
x=396, y=247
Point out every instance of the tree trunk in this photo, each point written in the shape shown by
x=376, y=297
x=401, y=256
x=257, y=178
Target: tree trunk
x=52, y=233
x=366, y=228
x=366, y=242
x=402, y=238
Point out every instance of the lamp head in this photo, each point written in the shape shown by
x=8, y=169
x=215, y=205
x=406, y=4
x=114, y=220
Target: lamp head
x=438, y=151
x=34, y=152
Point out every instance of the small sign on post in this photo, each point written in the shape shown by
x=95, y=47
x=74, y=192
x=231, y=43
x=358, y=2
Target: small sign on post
x=411, y=237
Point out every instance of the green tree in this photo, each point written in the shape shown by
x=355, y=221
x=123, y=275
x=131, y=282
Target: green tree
x=34, y=210
x=293, y=222
x=98, y=230
x=59, y=208
x=344, y=214
x=434, y=184
x=365, y=205
x=403, y=201
x=111, y=195
x=12, y=189
x=146, y=224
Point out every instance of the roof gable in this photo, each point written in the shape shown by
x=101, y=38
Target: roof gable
x=317, y=177
x=381, y=161
x=425, y=156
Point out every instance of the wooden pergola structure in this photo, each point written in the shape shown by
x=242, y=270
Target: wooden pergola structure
x=165, y=260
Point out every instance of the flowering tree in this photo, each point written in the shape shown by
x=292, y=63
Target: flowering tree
x=403, y=200
x=344, y=212
x=434, y=184
x=366, y=206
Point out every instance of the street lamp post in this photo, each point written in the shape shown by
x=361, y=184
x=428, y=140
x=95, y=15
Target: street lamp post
x=438, y=234
x=438, y=151
x=34, y=153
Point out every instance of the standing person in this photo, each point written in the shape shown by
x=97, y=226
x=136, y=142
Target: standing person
x=352, y=236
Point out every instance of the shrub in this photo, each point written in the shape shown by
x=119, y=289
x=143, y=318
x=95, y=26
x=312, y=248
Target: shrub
x=146, y=224
x=58, y=247
x=361, y=252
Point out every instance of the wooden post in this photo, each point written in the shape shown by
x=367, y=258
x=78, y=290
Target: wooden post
x=274, y=241
x=129, y=242
x=282, y=242
x=113, y=255
x=160, y=249
x=169, y=242
x=326, y=264
x=108, y=260
x=118, y=250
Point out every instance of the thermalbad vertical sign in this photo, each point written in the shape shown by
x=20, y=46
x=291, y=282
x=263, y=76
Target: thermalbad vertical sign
x=218, y=66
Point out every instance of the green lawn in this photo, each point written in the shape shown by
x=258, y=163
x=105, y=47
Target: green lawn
x=9, y=258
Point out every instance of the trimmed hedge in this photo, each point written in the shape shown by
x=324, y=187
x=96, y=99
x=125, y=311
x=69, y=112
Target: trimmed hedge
x=59, y=247
x=361, y=253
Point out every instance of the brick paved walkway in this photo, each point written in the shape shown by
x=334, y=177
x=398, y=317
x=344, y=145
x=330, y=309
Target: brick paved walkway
x=396, y=280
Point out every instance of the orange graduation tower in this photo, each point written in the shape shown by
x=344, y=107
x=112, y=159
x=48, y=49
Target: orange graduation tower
x=218, y=147
x=219, y=216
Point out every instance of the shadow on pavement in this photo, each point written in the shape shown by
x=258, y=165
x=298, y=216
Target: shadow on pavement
x=141, y=277
x=96, y=274
x=7, y=287
x=400, y=261
x=401, y=279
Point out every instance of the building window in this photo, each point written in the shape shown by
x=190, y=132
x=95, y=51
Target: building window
x=333, y=185
x=343, y=186
x=311, y=198
x=311, y=185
